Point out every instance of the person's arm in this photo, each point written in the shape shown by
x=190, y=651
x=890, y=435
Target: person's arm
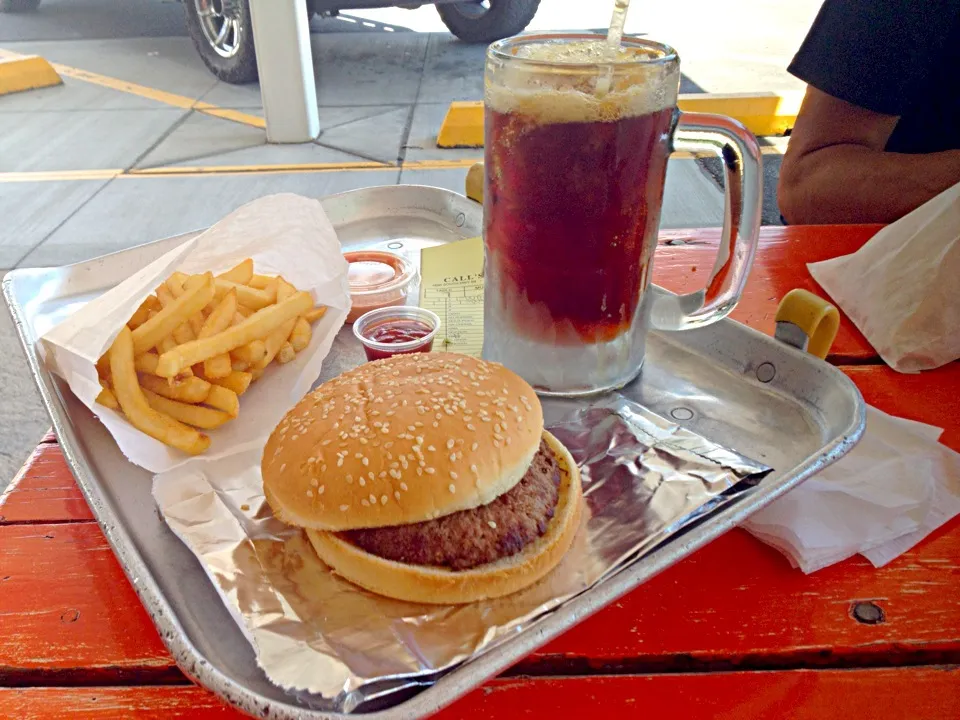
x=836, y=171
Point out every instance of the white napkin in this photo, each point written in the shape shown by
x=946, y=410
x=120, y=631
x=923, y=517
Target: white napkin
x=902, y=289
x=894, y=488
x=285, y=235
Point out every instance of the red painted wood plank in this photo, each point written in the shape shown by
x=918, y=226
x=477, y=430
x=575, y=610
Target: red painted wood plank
x=932, y=693
x=901, y=694
x=66, y=604
x=44, y=491
x=120, y=703
x=50, y=437
x=780, y=266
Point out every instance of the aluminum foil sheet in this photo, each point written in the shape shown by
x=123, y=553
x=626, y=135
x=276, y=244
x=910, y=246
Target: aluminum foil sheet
x=336, y=646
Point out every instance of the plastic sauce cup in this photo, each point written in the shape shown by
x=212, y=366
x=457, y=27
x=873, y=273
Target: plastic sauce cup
x=396, y=331
x=377, y=279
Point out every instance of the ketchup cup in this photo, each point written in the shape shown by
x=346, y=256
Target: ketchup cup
x=396, y=331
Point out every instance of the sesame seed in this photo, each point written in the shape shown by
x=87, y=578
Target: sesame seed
x=314, y=482
x=431, y=448
x=396, y=494
x=365, y=462
x=373, y=499
x=430, y=471
x=436, y=424
x=453, y=457
x=321, y=489
x=403, y=486
x=509, y=439
x=309, y=493
x=473, y=469
x=294, y=437
x=450, y=444
x=362, y=481
x=471, y=426
x=453, y=475
x=340, y=462
x=419, y=471
x=365, y=503
x=344, y=508
x=363, y=441
x=394, y=473
x=496, y=428
x=496, y=443
x=491, y=523
x=452, y=488
x=382, y=474
x=349, y=478
x=475, y=446
x=323, y=468
x=370, y=475
x=283, y=467
x=383, y=499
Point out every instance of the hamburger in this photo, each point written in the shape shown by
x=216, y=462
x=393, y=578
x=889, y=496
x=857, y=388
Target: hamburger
x=427, y=478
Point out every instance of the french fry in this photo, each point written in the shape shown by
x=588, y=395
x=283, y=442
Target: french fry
x=246, y=296
x=201, y=417
x=244, y=312
x=219, y=366
x=313, y=315
x=238, y=365
x=168, y=319
x=135, y=406
x=300, y=337
x=255, y=374
x=286, y=353
x=107, y=398
x=175, y=284
x=259, y=281
x=147, y=362
x=142, y=313
x=103, y=365
x=191, y=390
x=263, y=322
x=237, y=381
x=241, y=273
x=223, y=398
x=274, y=341
x=251, y=353
x=222, y=316
x=182, y=333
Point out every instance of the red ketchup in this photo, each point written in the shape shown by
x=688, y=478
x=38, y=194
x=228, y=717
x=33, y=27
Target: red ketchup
x=401, y=332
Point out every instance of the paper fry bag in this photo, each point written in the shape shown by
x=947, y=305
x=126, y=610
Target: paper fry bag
x=902, y=289
x=286, y=235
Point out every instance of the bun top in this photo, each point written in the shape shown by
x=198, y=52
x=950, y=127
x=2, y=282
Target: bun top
x=402, y=440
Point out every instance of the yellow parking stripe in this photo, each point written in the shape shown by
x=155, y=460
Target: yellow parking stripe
x=288, y=168
x=160, y=96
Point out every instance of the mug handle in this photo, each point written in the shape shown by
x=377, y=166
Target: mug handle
x=743, y=191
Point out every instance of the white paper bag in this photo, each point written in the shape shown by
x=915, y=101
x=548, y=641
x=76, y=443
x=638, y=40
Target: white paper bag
x=902, y=289
x=285, y=235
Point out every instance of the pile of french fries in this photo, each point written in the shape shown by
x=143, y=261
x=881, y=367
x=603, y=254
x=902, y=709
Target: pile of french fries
x=190, y=350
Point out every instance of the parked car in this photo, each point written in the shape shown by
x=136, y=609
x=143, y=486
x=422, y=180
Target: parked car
x=220, y=29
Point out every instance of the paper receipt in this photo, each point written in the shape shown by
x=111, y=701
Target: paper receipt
x=451, y=284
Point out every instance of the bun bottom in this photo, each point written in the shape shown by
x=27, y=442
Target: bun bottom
x=434, y=585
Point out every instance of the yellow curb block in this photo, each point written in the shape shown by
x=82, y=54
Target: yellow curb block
x=761, y=113
x=26, y=72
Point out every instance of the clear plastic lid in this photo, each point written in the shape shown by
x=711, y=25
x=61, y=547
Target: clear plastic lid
x=377, y=279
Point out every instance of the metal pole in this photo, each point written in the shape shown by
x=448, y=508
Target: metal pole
x=281, y=33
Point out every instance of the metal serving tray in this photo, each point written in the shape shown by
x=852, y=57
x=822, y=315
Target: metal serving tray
x=732, y=384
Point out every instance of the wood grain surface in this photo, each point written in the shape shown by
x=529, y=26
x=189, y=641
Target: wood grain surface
x=928, y=693
x=684, y=260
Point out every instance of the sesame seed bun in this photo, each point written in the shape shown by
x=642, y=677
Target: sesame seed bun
x=421, y=583
x=402, y=440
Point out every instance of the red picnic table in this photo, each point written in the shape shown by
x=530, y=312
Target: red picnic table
x=731, y=632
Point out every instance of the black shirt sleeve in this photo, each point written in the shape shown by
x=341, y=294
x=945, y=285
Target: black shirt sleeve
x=875, y=53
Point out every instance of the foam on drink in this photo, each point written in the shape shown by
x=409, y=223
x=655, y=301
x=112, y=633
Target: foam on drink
x=571, y=95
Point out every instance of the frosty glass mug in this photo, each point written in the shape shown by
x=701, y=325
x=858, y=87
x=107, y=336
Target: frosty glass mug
x=576, y=148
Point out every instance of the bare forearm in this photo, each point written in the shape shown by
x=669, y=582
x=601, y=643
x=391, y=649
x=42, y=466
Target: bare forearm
x=855, y=184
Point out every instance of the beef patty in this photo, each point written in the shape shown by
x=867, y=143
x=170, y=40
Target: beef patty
x=474, y=537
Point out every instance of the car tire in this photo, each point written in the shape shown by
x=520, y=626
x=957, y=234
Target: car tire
x=235, y=59
x=474, y=23
x=18, y=6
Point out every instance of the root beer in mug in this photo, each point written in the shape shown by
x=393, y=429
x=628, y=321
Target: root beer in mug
x=577, y=140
